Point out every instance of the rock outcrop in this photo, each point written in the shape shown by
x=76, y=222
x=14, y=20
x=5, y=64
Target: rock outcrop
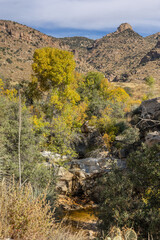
x=150, y=109
x=123, y=27
x=153, y=55
x=147, y=119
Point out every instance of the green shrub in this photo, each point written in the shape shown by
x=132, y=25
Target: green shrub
x=150, y=81
x=131, y=196
x=9, y=60
x=129, y=91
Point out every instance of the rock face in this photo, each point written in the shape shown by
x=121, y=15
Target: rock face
x=123, y=27
x=150, y=109
x=147, y=119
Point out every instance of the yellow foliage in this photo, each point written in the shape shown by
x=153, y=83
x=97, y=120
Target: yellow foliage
x=56, y=100
x=39, y=123
x=150, y=194
x=71, y=94
x=52, y=67
x=1, y=85
x=107, y=140
x=11, y=94
x=105, y=86
x=118, y=94
x=74, y=115
x=144, y=97
x=93, y=121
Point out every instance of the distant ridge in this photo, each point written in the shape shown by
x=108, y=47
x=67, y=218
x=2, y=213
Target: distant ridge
x=122, y=56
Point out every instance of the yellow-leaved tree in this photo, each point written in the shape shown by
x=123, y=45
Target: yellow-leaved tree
x=54, y=84
x=51, y=68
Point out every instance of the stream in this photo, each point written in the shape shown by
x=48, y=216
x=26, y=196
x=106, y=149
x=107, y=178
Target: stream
x=78, y=191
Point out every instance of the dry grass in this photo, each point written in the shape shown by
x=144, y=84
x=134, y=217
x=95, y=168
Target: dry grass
x=139, y=89
x=65, y=233
x=22, y=216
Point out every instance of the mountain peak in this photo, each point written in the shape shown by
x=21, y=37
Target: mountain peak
x=123, y=27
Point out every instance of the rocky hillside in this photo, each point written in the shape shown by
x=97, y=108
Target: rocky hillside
x=122, y=56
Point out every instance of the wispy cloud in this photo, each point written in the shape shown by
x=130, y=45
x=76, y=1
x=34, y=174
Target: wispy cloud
x=82, y=14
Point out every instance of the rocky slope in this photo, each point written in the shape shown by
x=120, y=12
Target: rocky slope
x=122, y=56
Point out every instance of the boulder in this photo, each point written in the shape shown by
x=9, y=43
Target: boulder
x=64, y=183
x=152, y=138
x=54, y=157
x=150, y=109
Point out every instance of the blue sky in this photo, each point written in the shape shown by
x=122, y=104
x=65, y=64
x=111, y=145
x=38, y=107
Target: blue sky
x=90, y=18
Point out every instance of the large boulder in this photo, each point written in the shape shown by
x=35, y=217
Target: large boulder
x=147, y=116
x=150, y=109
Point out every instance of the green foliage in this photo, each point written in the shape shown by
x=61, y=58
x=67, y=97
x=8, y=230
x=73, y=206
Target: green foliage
x=107, y=104
x=130, y=135
x=33, y=169
x=129, y=91
x=114, y=209
x=135, y=200
x=43, y=177
x=9, y=129
x=89, y=90
x=150, y=81
x=9, y=60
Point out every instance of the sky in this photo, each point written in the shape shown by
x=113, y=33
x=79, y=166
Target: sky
x=89, y=18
